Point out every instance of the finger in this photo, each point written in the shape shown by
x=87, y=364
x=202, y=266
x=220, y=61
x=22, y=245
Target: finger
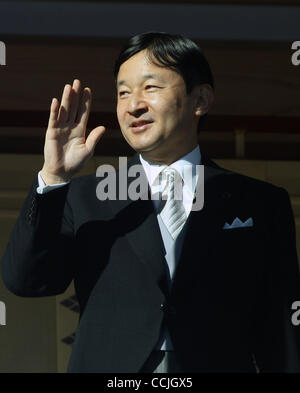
x=84, y=107
x=74, y=100
x=93, y=138
x=65, y=104
x=53, y=113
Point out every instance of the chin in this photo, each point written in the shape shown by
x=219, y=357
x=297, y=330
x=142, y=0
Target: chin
x=145, y=146
x=142, y=145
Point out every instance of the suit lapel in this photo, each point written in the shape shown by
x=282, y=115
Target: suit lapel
x=202, y=225
x=142, y=228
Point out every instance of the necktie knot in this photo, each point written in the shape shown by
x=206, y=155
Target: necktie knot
x=173, y=184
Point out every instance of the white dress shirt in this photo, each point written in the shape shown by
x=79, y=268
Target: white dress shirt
x=185, y=166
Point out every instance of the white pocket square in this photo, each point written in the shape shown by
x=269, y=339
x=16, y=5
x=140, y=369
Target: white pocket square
x=237, y=223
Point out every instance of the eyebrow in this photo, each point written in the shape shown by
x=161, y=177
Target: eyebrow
x=145, y=77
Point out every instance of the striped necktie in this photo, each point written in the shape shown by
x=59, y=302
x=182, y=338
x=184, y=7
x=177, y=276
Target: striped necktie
x=172, y=211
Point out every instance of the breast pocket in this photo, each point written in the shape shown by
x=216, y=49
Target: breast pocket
x=237, y=230
x=237, y=243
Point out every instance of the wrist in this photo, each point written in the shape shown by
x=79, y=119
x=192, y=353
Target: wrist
x=49, y=178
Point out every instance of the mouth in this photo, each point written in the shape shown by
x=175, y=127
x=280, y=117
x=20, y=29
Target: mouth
x=138, y=126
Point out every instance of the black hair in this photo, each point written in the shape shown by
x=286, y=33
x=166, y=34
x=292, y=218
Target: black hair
x=173, y=51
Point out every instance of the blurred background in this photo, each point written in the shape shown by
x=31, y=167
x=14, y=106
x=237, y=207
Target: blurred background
x=252, y=128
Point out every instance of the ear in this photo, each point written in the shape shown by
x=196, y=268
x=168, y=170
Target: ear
x=204, y=97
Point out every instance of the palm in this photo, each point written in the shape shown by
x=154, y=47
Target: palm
x=66, y=146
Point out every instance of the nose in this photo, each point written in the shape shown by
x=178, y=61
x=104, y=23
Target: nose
x=136, y=103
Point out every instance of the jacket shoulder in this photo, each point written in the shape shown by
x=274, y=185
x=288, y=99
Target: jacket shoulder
x=253, y=185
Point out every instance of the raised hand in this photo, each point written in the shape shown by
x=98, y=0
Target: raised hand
x=66, y=148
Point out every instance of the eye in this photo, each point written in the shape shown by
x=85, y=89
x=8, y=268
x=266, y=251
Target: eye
x=121, y=93
x=150, y=86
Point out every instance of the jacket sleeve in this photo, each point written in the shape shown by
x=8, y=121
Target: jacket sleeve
x=276, y=338
x=39, y=259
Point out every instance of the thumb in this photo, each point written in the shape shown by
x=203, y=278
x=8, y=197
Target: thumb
x=94, y=137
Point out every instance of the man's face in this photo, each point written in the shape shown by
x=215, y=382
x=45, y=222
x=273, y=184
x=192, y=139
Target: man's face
x=149, y=93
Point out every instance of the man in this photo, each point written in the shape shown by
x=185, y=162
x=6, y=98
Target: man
x=161, y=287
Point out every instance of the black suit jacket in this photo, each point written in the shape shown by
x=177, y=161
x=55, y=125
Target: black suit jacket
x=230, y=301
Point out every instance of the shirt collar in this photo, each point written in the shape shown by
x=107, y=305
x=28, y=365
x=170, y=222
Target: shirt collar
x=191, y=159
